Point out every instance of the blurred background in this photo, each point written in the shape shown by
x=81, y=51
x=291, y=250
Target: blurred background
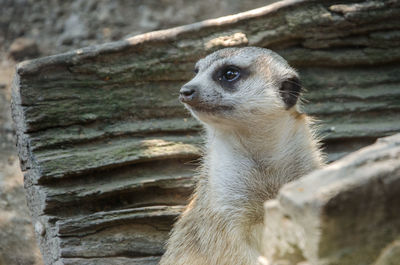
x=36, y=28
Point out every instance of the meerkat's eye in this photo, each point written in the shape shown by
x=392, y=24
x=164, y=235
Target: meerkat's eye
x=230, y=74
x=196, y=70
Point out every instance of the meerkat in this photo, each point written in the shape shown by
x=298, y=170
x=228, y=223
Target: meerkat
x=256, y=141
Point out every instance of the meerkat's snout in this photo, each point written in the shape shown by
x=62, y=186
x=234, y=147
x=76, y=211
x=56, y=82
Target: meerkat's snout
x=188, y=94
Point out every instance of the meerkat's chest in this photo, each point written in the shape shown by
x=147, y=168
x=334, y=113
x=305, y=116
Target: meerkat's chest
x=229, y=171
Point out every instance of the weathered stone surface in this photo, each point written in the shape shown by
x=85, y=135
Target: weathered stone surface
x=100, y=129
x=344, y=214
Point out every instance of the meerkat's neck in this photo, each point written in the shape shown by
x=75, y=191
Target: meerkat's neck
x=248, y=164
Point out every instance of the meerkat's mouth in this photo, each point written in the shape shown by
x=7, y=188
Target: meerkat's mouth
x=209, y=109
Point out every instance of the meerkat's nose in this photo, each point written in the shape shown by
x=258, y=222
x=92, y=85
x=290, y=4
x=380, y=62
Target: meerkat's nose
x=188, y=94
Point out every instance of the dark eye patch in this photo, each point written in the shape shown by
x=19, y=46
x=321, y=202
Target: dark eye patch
x=228, y=75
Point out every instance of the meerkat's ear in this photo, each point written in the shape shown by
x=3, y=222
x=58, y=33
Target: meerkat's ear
x=290, y=90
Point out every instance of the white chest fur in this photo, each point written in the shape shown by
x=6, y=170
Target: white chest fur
x=229, y=171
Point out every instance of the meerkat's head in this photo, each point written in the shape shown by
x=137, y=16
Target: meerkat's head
x=235, y=85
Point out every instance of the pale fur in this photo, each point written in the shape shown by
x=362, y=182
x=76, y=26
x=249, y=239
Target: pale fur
x=250, y=152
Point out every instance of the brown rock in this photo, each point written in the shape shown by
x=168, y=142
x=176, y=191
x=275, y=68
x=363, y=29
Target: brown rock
x=23, y=48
